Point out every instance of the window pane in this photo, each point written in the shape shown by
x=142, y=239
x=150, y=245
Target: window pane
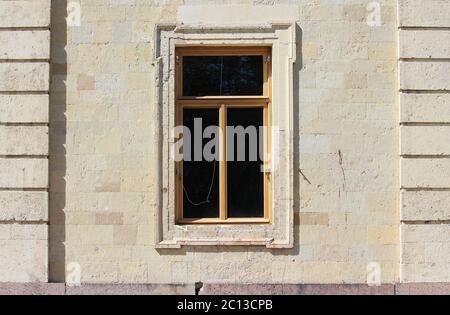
x=200, y=171
x=245, y=179
x=222, y=75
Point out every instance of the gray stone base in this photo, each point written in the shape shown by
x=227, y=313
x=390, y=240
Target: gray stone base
x=297, y=289
x=131, y=289
x=224, y=289
x=423, y=289
x=95, y=289
x=32, y=288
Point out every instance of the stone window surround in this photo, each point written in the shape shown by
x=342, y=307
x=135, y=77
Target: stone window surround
x=282, y=38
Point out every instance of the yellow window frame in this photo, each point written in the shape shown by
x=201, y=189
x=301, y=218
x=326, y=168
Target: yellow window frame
x=223, y=103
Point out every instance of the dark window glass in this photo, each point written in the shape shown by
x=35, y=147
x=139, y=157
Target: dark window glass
x=223, y=76
x=245, y=179
x=200, y=172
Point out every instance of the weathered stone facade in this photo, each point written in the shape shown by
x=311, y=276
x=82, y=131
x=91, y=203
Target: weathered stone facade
x=369, y=125
x=24, y=140
x=424, y=53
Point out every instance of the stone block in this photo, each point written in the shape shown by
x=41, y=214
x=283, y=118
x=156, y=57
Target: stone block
x=425, y=140
x=425, y=13
x=24, y=259
x=424, y=75
x=25, y=13
x=24, y=76
x=425, y=205
x=426, y=108
x=24, y=140
x=425, y=173
x=23, y=173
x=24, y=45
x=424, y=44
x=24, y=108
x=23, y=206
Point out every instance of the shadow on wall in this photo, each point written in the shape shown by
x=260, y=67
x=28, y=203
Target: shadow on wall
x=58, y=134
x=296, y=132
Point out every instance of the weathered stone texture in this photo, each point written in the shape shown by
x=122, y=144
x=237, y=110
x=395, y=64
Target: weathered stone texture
x=425, y=166
x=24, y=254
x=103, y=170
x=23, y=140
x=132, y=289
x=438, y=288
x=24, y=108
x=25, y=13
x=425, y=173
x=424, y=44
x=24, y=45
x=23, y=206
x=425, y=205
x=287, y=289
x=426, y=254
x=24, y=76
x=426, y=233
x=425, y=75
x=23, y=173
x=425, y=108
x=425, y=140
x=33, y=288
x=234, y=289
x=425, y=13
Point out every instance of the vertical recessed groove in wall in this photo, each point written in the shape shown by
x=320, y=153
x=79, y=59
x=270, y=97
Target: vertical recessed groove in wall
x=57, y=141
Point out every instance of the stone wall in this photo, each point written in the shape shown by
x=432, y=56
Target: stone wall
x=103, y=193
x=349, y=221
x=425, y=133
x=24, y=143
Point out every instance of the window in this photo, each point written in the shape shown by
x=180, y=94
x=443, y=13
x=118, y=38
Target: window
x=223, y=99
x=253, y=82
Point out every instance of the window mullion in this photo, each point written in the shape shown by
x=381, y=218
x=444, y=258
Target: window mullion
x=223, y=163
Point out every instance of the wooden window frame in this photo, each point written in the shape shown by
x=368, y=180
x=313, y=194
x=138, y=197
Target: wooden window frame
x=223, y=103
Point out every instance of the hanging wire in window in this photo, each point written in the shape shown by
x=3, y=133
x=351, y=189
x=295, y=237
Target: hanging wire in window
x=207, y=200
x=221, y=74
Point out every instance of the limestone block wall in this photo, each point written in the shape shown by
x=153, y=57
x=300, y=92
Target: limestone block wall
x=103, y=193
x=24, y=139
x=424, y=51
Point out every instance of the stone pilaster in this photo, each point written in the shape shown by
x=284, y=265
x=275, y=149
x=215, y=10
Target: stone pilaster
x=24, y=144
x=424, y=55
